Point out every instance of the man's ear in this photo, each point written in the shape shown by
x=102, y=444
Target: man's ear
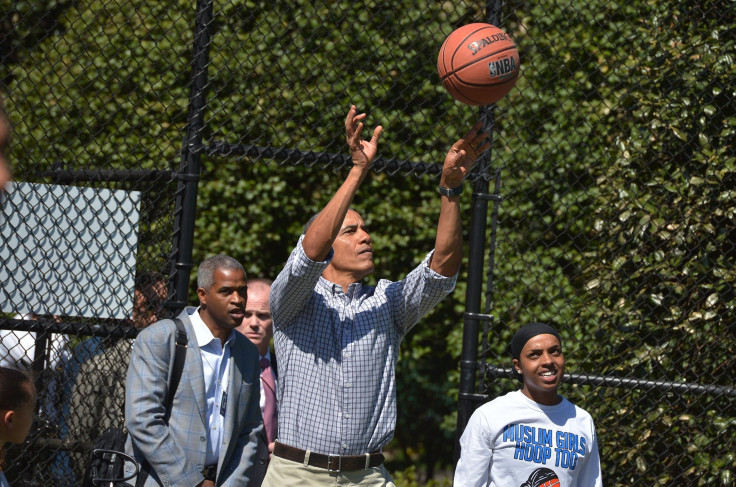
x=202, y=295
x=8, y=418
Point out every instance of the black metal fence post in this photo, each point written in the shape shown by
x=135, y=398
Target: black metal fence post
x=473, y=293
x=188, y=175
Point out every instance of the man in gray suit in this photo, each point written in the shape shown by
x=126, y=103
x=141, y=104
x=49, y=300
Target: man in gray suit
x=211, y=437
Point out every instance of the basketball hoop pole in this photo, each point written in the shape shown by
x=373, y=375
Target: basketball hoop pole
x=188, y=174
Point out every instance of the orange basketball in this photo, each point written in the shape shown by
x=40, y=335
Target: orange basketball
x=478, y=64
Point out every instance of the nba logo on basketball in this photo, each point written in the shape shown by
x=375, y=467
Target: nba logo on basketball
x=467, y=57
x=502, y=67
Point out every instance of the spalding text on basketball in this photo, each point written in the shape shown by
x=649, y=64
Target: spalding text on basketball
x=477, y=46
x=503, y=68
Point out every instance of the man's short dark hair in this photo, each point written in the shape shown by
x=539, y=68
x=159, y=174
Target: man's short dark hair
x=15, y=388
x=310, y=221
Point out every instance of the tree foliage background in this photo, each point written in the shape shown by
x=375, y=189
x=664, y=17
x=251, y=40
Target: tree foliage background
x=617, y=159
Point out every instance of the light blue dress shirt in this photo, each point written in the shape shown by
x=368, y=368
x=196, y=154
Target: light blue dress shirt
x=337, y=352
x=216, y=367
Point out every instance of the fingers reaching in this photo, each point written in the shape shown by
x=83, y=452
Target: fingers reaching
x=475, y=140
x=349, y=120
x=354, y=127
x=475, y=129
x=463, y=154
x=363, y=151
x=376, y=135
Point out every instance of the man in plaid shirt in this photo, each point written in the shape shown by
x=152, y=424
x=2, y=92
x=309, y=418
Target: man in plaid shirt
x=337, y=341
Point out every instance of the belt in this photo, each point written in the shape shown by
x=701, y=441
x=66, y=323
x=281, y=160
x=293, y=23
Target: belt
x=210, y=472
x=333, y=463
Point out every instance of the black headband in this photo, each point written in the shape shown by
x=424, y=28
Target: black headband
x=526, y=333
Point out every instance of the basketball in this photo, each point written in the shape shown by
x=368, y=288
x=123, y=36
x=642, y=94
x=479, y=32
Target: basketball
x=478, y=64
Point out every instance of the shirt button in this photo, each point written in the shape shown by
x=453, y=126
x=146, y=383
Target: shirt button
x=202, y=438
x=347, y=415
x=347, y=385
x=347, y=354
x=344, y=445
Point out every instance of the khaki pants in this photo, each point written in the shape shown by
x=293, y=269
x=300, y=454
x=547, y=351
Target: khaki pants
x=284, y=473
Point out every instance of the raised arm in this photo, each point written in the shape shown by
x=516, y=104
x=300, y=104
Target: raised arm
x=448, y=247
x=323, y=230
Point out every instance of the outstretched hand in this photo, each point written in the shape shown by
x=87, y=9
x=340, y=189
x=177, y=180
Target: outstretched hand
x=362, y=151
x=462, y=156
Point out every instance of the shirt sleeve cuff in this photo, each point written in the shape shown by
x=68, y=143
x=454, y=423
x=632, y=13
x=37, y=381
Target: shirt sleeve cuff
x=301, y=260
x=446, y=283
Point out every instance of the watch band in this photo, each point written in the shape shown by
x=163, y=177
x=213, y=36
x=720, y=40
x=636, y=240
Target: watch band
x=449, y=192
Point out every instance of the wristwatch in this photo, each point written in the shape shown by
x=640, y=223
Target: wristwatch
x=449, y=192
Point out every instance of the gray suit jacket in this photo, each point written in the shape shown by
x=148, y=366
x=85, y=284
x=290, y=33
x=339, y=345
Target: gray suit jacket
x=177, y=451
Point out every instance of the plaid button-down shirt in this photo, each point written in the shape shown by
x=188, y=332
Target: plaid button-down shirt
x=337, y=353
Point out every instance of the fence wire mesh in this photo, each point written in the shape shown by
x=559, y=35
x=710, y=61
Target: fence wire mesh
x=617, y=226
x=614, y=215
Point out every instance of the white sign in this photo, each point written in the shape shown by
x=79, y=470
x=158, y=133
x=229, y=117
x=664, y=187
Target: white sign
x=68, y=251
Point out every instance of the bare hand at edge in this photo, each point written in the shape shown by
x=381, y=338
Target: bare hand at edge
x=362, y=151
x=462, y=156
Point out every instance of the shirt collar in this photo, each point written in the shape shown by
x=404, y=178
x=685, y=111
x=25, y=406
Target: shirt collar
x=354, y=289
x=202, y=332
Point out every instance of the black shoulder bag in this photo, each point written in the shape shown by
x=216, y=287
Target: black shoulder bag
x=105, y=466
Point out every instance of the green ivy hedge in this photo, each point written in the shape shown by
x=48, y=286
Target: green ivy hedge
x=617, y=163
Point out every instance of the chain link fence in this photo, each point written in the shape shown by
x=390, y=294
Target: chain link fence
x=616, y=224
x=606, y=206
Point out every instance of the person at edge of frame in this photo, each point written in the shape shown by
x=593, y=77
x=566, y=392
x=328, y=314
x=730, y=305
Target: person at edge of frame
x=17, y=405
x=533, y=436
